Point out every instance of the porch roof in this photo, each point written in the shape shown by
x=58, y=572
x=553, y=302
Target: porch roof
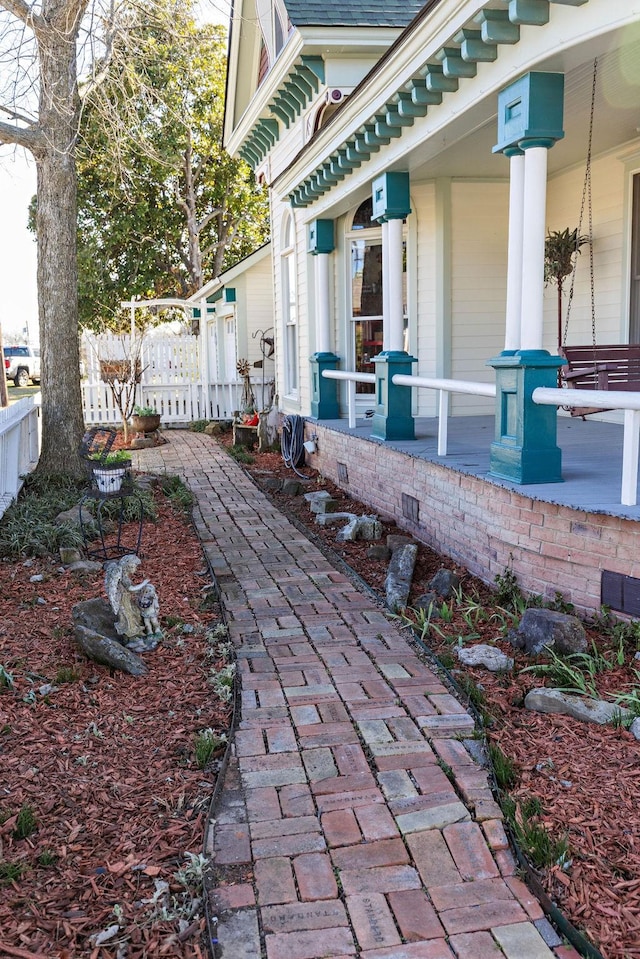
x=394, y=120
x=591, y=481
x=379, y=13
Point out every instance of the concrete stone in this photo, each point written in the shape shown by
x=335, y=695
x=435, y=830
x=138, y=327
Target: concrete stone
x=291, y=487
x=361, y=527
x=399, y=576
x=521, y=940
x=490, y=657
x=588, y=710
x=334, y=519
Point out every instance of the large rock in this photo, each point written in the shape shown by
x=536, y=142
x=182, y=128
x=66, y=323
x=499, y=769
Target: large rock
x=445, y=582
x=490, y=657
x=580, y=707
x=108, y=651
x=399, y=576
x=540, y=628
x=95, y=634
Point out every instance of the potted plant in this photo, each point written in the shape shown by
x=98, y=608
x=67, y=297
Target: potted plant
x=560, y=249
x=145, y=419
x=110, y=469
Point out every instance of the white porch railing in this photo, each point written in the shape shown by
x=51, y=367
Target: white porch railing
x=351, y=379
x=19, y=446
x=627, y=401
x=445, y=387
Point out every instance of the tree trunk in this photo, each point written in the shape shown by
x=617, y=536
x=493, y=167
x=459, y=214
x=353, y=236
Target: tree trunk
x=62, y=419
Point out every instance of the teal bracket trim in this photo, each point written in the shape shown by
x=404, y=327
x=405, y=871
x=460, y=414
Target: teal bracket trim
x=392, y=419
x=524, y=449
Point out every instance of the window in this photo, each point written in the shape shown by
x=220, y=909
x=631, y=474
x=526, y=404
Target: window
x=289, y=309
x=272, y=20
x=634, y=300
x=367, y=281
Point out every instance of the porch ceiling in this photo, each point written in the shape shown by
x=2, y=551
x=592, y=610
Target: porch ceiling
x=616, y=118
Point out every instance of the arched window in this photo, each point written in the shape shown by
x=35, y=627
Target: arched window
x=367, y=284
x=273, y=22
x=289, y=307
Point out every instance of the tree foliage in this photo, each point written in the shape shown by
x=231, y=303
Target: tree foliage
x=162, y=207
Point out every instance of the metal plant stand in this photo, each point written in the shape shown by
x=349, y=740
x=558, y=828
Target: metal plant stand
x=98, y=441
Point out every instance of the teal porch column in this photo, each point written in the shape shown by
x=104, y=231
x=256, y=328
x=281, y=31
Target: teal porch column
x=524, y=449
x=392, y=419
x=324, y=393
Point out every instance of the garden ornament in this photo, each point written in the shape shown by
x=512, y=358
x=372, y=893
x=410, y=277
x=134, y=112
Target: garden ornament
x=135, y=607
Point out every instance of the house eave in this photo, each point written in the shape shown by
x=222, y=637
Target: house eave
x=305, y=41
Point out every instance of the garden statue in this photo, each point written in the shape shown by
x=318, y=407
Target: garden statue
x=147, y=602
x=135, y=607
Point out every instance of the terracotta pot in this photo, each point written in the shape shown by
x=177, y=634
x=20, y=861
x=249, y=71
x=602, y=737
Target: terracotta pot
x=145, y=424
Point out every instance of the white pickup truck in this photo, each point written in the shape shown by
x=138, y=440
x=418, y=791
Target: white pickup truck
x=21, y=364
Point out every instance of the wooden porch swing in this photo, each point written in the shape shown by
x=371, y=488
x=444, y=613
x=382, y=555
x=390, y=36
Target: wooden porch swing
x=613, y=366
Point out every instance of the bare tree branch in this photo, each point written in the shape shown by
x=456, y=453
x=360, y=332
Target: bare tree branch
x=32, y=138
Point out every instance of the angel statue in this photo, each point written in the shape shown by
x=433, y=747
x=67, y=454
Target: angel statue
x=123, y=596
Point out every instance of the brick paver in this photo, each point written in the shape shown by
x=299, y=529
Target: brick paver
x=336, y=832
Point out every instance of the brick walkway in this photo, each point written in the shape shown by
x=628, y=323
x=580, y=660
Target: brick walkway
x=353, y=820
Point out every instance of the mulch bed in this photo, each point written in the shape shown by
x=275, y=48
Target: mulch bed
x=105, y=762
x=586, y=776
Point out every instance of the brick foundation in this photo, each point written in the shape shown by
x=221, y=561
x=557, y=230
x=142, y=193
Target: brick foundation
x=485, y=527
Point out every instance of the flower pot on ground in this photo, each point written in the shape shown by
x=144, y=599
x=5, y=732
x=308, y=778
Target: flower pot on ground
x=145, y=419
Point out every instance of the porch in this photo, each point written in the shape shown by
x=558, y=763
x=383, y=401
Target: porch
x=555, y=536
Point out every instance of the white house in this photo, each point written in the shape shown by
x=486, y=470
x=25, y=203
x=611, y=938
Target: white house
x=417, y=154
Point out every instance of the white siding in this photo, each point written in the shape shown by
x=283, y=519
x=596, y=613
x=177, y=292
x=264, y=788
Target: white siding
x=479, y=233
x=423, y=262
x=610, y=272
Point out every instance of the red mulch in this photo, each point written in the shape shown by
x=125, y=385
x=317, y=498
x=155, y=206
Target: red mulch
x=586, y=776
x=106, y=762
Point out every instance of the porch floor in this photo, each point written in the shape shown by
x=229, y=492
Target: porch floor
x=591, y=458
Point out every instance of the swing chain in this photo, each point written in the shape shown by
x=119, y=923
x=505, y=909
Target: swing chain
x=586, y=199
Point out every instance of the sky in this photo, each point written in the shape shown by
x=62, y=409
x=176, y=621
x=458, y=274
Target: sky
x=18, y=294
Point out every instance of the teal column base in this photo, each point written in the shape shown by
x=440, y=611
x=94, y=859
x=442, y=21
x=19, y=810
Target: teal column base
x=524, y=450
x=392, y=419
x=324, y=393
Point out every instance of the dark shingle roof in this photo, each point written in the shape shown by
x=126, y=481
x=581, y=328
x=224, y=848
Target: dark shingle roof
x=361, y=13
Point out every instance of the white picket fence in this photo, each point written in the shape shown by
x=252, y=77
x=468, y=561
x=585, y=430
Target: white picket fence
x=19, y=446
x=170, y=381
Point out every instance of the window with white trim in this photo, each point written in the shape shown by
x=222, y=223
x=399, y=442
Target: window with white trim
x=289, y=308
x=367, y=280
